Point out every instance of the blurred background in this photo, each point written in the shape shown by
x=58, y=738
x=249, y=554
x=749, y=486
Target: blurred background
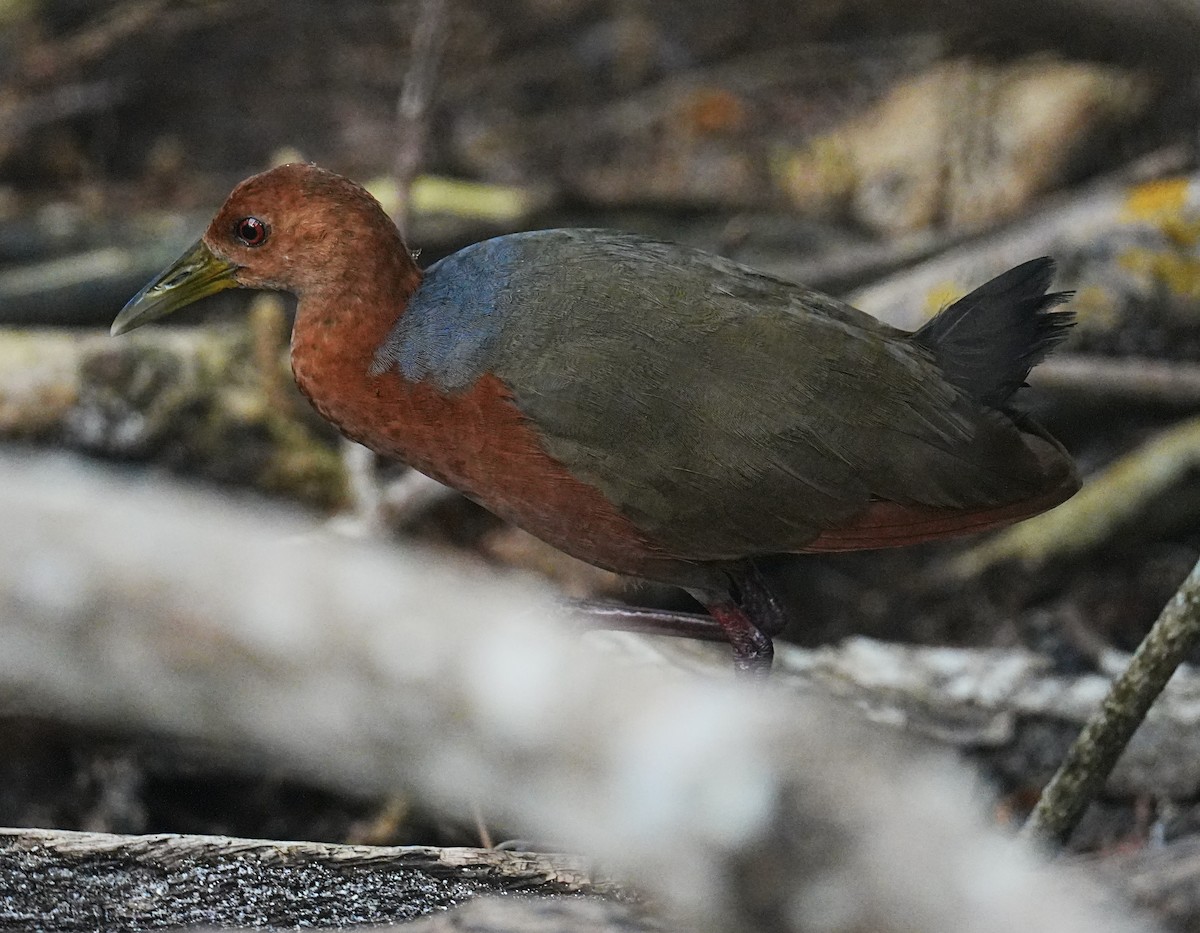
x=895, y=153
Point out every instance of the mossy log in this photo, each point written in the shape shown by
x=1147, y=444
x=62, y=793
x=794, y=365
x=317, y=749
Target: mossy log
x=1129, y=248
x=218, y=403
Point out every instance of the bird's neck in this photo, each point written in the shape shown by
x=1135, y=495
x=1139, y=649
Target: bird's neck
x=342, y=322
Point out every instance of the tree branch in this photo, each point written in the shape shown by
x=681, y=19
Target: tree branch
x=1091, y=759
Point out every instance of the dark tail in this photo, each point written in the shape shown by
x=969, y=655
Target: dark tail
x=987, y=342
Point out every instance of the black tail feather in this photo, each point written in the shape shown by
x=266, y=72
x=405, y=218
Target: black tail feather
x=987, y=342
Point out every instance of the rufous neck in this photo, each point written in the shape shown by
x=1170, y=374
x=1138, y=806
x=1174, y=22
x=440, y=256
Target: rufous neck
x=368, y=294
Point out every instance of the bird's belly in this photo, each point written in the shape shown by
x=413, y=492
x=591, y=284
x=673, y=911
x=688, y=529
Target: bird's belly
x=478, y=442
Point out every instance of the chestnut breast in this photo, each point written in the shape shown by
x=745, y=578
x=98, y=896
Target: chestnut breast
x=472, y=438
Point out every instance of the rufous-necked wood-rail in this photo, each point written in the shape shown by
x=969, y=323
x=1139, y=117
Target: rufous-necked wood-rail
x=644, y=406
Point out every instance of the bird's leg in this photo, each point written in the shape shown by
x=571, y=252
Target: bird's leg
x=752, y=647
x=750, y=619
x=619, y=617
x=747, y=615
x=758, y=600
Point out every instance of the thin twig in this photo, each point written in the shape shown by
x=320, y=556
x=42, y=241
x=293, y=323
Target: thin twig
x=1091, y=759
x=59, y=103
x=122, y=24
x=485, y=836
x=98, y=38
x=412, y=110
x=416, y=95
x=1102, y=380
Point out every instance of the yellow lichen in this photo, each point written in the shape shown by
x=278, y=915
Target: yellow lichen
x=1164, y=205
x=1153, y=199
x=1179, y=272
x=1183, y=232
x=433, y=194
x=818, y=175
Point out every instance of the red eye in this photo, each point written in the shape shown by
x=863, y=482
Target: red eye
x=251, y=231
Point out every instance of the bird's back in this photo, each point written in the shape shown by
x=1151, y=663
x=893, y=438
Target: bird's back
x=726, y=413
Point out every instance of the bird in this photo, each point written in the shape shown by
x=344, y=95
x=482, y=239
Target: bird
x=647, y=407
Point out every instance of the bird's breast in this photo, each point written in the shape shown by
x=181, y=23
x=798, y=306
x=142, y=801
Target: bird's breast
x=475, y=440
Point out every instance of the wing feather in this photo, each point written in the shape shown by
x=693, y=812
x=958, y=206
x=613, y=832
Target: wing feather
x=729, y=413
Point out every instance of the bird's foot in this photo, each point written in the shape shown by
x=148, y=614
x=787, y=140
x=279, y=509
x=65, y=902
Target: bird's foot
x=753, y=649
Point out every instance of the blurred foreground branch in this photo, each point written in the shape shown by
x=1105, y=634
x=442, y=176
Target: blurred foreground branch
x=1101, y=382
x=733, y=808
x=416, y=98
x=366, y=515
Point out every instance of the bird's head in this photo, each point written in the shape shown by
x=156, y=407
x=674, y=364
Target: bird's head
x=296, y=228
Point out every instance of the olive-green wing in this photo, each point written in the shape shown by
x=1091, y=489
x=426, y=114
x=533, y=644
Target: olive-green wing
x=728, y=413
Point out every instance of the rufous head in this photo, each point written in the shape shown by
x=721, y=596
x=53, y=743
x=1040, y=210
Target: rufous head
x=295, y=228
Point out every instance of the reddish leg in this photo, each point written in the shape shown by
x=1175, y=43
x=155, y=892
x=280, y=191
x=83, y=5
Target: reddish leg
x=619, y=617
x=747, y=616
x=752, y=648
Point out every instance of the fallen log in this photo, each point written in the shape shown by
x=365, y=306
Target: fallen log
x=97, y=880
